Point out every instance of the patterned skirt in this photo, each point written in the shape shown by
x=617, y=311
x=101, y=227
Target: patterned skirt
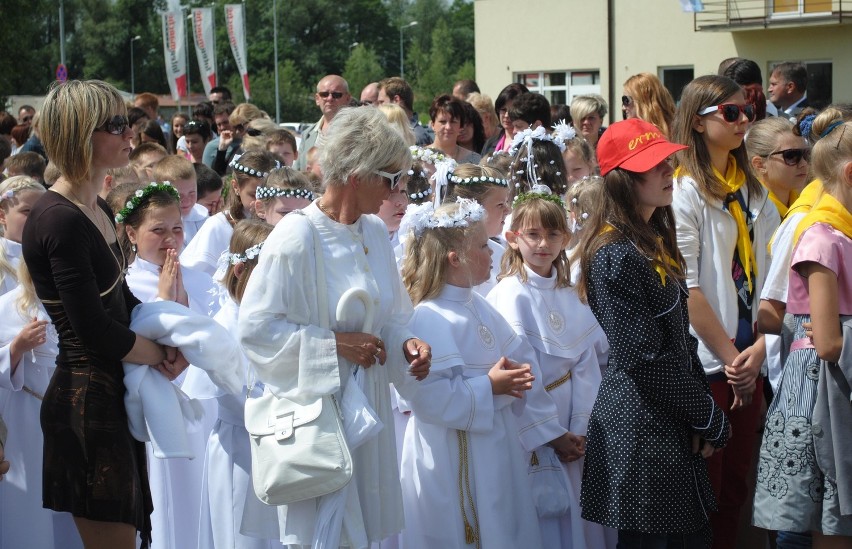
x=791, y=493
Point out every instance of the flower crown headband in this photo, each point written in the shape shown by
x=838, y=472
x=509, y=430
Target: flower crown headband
x=420, y=195
x=246, y=256
x=429, y=156
x=444, y=175
x=537, y=192
x=422, y=217
x=141, y=195
x=525, y=139
x=235, y=165
x=264, y=192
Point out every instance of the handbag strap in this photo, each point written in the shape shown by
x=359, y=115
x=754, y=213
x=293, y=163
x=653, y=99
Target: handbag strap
x=322, y=289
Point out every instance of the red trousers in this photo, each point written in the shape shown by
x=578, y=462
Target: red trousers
x=730, y=468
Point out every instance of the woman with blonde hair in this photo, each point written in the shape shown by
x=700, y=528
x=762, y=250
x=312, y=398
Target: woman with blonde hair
x=587, y=112
x=399, y=121
x=93, y=468
x=646, y=98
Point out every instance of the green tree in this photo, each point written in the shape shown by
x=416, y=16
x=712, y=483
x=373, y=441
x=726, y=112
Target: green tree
x=361, y=68
x=437, y=78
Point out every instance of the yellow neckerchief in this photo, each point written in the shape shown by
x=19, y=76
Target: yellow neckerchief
x=732, y=181
x=808, y=197
x=782, y=208
x=827, y=210
x=657, y=267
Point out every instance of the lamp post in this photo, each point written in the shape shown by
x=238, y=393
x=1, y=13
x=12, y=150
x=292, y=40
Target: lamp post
x=275, y=54
x=133, y=66
x=401, y=51
x=353, y=45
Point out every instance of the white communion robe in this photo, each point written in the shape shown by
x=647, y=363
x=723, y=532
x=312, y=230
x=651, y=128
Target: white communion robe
x=13, y=256
x=211, y=240
x=497, y=251
x=297, y=359
x=226, y=484
x=176, y=483
x=193, y=222
x=571, y=349
x=455, y=405
x=23, y=520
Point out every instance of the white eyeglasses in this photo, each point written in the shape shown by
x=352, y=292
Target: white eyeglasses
x=394, y=178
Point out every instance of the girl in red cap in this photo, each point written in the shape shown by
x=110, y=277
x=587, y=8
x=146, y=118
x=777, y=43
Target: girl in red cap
x=654, y=421
x=724, y=223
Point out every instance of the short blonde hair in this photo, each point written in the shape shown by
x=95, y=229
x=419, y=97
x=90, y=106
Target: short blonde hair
x=173, y=168
x=399, y=121
x=584, y=105
x=72, y=111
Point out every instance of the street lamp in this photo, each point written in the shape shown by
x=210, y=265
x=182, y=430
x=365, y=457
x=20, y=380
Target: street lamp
x=133, y=67
x=353, y=45
x=401, y=56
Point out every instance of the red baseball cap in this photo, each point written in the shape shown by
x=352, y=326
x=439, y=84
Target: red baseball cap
x=633, y=145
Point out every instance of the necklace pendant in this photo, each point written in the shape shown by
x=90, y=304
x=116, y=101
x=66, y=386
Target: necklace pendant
x=486, y=336
x=556, y=322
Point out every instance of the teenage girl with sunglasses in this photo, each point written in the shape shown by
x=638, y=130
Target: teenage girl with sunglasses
x=724, y=222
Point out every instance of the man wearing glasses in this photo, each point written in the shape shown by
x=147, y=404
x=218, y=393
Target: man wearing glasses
x=332, y=95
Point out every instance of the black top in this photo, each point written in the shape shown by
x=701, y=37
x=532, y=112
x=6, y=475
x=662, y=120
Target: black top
x=640, y=473
x=70, y=262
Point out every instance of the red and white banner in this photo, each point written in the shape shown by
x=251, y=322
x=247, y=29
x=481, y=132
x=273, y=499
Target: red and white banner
x=235, y=20
x=173, y=48
x=205, y=46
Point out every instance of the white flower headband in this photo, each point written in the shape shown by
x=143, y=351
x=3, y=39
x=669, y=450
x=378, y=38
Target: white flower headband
x=235, y=165
x=443, y=169
x=429, y=156
x=421, y=217
x=264, y=192
x=246, y=256
x=540, y=191
x=7, y=195
x=420, y=195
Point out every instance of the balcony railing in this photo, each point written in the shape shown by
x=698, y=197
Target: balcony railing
x=732, y=15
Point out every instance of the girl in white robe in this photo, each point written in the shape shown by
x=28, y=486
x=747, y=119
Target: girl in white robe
x=250, y=170
x=535, y=296
x=226, y=484
x=464, y=470
x=28, y=350
x=17, y=196
x=155, y=228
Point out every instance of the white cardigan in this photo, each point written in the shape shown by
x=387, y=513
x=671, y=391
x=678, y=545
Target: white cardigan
x=707, y=238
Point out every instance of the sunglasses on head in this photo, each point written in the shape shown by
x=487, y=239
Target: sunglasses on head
x=626, y=100
x=335, y=95
x=731, y=111
x=116, y=125
x=254, y=132
x=394, y=178
x=792, y=157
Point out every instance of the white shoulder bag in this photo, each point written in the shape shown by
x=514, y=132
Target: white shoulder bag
x=298, y=451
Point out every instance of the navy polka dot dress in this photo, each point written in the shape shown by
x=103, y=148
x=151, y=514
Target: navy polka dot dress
x=640, y=473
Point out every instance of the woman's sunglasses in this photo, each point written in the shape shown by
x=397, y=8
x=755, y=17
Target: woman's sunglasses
x=626, y=100
x=792, y=157
x=116, y=125
x=731, y=111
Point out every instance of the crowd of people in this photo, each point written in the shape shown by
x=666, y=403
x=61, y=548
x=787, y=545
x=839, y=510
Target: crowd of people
x=537, y=331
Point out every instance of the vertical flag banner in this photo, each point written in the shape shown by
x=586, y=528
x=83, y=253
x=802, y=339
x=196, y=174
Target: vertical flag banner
x=205, y=46
x=173, y=44
x=235, y=20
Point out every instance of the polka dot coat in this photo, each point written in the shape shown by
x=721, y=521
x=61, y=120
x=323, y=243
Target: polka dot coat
x=640, y=473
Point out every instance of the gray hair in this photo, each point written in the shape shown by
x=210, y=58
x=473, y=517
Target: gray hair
x=360, y=141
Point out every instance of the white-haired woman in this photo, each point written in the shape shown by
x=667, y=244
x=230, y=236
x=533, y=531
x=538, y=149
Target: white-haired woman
x=588, y=112
x=363, y=159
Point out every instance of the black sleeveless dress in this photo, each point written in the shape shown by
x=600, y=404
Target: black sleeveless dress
x=93, y=467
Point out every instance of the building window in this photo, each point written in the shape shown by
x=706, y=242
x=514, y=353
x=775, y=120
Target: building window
x=561, y=87
x=675, y=79
x=783, y=8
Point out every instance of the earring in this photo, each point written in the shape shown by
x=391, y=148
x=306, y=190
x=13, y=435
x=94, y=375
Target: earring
x=133, y=248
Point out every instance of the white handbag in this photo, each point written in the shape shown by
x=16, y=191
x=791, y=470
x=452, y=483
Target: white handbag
x=298, y=451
